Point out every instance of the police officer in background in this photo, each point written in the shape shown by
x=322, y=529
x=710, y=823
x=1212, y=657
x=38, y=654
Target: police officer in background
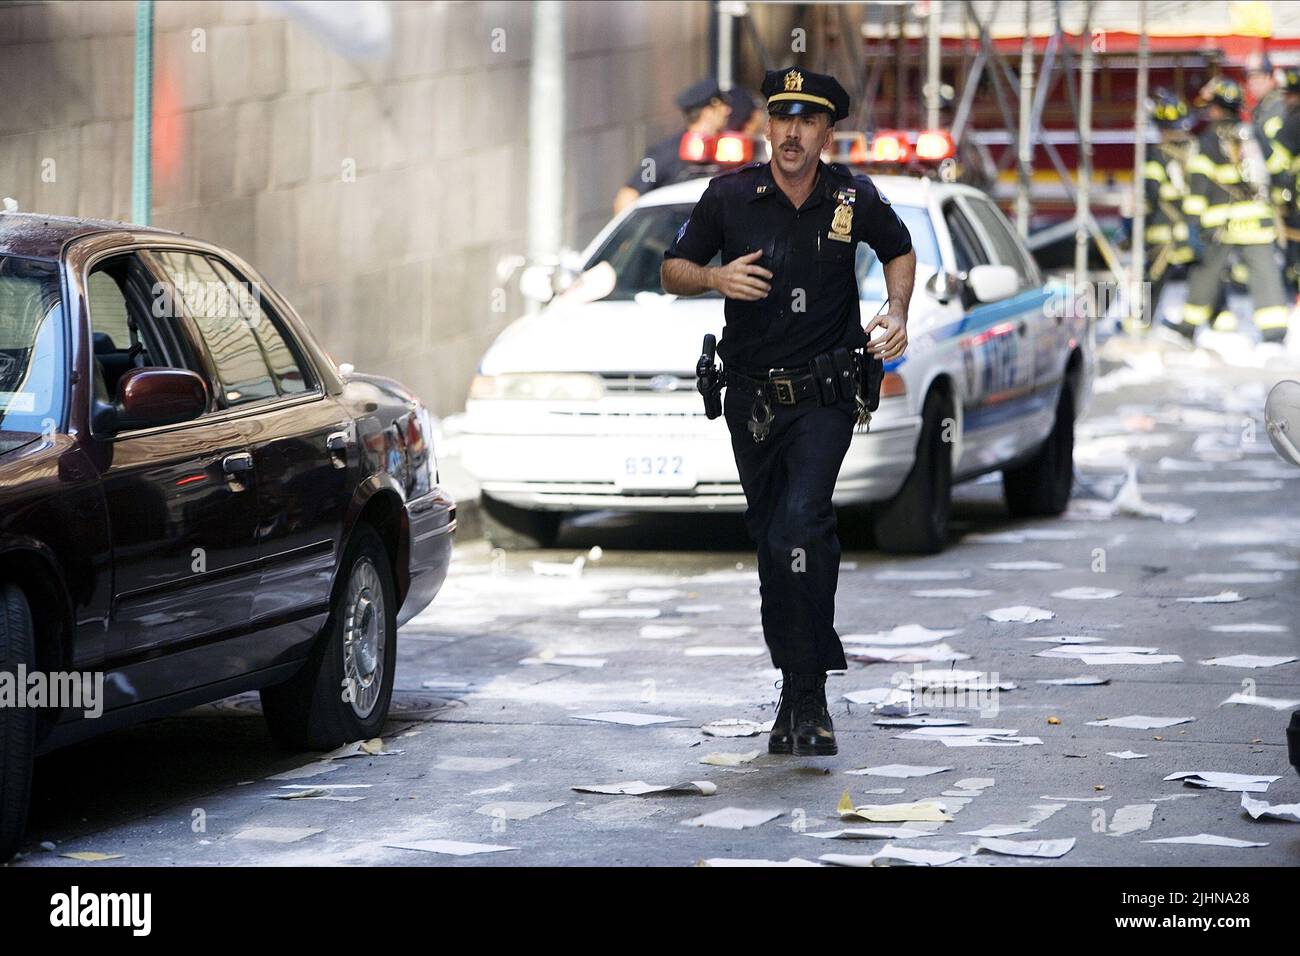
x=706, y=110
x=787, y=232
x=1170, y=244
x=1228, y=193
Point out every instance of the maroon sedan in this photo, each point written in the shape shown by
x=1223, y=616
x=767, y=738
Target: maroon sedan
x=194, y=500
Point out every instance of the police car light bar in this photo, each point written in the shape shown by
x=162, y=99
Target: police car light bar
x=890, y=146
x=726, y=149
x=897, y=147
x=934, y=145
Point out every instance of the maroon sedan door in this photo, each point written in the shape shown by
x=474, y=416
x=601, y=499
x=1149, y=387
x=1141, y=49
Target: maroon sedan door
x=300, y=439
x=182, y=508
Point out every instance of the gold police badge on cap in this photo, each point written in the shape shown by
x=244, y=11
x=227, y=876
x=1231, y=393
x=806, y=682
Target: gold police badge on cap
x=794, y=82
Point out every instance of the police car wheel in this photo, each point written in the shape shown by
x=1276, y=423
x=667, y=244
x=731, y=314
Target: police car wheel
x=1041, y=486
x=517, y=529
x=915, y=521
x=343, y=692
x=17, y=724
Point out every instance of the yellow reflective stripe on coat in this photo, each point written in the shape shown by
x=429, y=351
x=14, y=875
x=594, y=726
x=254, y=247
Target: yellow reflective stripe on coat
x=1154, y=170
x=1195, y=205
x=1272, y=317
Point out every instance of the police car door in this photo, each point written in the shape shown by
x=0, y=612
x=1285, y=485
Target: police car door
x=993, y=341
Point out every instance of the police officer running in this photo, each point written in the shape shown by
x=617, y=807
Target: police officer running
x=1168, y=239
x=1229, y=195
x=787, y=232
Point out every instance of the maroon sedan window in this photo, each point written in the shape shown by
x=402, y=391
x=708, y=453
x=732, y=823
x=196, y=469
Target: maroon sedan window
x=219, y=314
x=32, y=373
x=279, y=357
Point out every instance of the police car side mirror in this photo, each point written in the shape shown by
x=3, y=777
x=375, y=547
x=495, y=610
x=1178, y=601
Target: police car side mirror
x=535, y=283
x=944, y=285
x=993, y=283
x=1282, y=419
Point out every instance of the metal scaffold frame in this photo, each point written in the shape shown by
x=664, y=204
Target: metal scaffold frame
x=1021, y=95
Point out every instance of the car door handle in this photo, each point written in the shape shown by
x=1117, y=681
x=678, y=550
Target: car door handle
x=338, y=441
x=237, y=464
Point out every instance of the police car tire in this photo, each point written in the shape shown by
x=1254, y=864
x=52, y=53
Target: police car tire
x=915, y=521
x=309, y=711
x=17, y=724
x=1041, y=486
x=517, y=529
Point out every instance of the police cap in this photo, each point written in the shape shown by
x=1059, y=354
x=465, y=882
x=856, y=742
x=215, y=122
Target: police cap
x=795, y=91
x=698, y=95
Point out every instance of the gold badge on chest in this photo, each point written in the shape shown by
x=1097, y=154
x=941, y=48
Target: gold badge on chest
x=842, y=223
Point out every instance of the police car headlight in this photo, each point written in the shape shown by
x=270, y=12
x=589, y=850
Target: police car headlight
x=538, y=386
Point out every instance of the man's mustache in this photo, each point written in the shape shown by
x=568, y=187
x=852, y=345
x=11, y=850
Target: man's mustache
x=790, y=145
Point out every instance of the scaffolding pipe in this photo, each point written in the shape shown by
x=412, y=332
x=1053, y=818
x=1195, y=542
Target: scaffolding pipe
x=1026, y=115
x=142, y=116
x=1082, y=207
x=932, y=64
x=1136, y=282
x=546, y=126
x=726, y=66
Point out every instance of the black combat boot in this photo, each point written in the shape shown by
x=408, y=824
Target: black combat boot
x=814, y=736
x=781, y=739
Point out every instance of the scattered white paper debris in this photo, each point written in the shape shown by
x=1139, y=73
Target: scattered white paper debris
x=1087, y=594
x=917, y=810
x=1248, y=660
x=698, y=608
x=931, y=732
x=1273, y=703
x=1235, y=577
x=903, y=635
x=1075, y=799
x=916, y=720
x=627, y=717
x=986, y=741
x=998, y=830
x=733, y=818
x=1047, y=849
x=1223, y=597
x=1219, y=780
x=1289, y=812
x=738, y=862
x=1064, y=639
x=1094, y=650
x=1251, y=628
x=731, y=727
x=450, y=847
x=892, y=855
x=1019, y=614
x=1074, y=681
x=899, y=770
x=559, y=569
x=1141, y=722
x=1093, y=660
x=1126, y=754
x=906, y=655
x=1039, y=812
x=871, y=833
x=1208, y=839
x=728, y=759
x=1026, y=566
x=880, y=696
x=639, y=788
x=659, y=632
x=315, y=793
x=1134, y=818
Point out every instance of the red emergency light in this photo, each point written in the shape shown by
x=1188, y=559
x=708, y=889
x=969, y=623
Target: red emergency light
x=695, y=147
x=733, y=148
x=890, y=146
x=726, y=149
x=934, y=145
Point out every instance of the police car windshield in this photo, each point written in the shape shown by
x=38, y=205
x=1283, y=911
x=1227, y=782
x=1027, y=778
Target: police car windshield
x=871, y=274
x=635, y=250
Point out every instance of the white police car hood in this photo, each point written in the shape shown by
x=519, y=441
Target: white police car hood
x=653, y=333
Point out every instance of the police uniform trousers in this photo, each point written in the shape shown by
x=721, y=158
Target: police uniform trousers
x=788, y=479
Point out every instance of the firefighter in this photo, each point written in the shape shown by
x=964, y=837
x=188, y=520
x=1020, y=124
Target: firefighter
x=1169, y=243
x=1228, y=195
x=1284, y=168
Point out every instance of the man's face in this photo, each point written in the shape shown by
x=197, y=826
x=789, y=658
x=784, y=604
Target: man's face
x=715, y=116
x=1259, y=84
x=797, y=141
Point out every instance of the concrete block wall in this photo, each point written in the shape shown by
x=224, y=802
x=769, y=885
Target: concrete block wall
x=378, y=196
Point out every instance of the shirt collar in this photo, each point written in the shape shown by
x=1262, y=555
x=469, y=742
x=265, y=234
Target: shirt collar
x=766, y=185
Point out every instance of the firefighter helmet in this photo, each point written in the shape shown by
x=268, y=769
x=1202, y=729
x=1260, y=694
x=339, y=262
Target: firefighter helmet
x=1224, y=93
x=1169, y=110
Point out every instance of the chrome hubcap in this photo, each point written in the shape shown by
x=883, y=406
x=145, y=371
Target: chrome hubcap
x=364, y=637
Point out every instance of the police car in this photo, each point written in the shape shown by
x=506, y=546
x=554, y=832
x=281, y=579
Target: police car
x=591, y=403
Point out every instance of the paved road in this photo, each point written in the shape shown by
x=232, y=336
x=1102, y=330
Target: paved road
x=183, y=790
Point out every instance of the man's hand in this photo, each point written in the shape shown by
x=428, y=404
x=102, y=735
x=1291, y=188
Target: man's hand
x=741, y=279
x=894, y=342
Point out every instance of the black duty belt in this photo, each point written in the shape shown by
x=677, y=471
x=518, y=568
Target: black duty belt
x=783, y=386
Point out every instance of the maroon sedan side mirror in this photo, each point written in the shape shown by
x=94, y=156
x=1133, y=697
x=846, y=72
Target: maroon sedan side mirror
x=154, y=396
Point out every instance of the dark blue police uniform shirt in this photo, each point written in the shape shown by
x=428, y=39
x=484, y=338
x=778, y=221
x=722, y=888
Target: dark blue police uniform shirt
x=668, y=165
x=745, y=210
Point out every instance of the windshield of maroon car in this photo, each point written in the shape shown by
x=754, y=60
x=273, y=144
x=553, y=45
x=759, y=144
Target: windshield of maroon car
x=31, y=346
